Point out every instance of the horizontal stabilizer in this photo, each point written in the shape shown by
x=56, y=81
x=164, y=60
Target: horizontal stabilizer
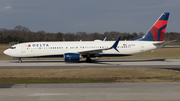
x=163, y=42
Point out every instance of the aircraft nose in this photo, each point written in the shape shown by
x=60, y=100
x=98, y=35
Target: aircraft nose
x=6, y=52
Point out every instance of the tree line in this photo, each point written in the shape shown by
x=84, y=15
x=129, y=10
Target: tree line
x=23, y=34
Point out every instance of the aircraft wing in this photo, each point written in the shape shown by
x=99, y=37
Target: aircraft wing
x=97, y=51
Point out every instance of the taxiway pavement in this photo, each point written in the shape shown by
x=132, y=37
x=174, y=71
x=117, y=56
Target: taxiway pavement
x=98, y=63
x=92, y=91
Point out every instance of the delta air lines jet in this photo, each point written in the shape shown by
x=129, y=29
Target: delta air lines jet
x=75, y=50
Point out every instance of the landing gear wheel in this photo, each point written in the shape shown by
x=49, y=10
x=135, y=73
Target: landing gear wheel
x=88, y=59
x=20, y=61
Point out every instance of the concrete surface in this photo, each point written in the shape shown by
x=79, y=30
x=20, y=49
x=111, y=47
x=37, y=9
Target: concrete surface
x=94, y=91
x=102, y=63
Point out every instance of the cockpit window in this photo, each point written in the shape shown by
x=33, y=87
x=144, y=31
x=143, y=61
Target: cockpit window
x=12, y=47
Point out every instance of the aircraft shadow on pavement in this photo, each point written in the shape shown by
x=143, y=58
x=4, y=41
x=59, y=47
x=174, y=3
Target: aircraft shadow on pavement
x=98, y=61
x=108, y=62
x=130, y=60
x=38, y=61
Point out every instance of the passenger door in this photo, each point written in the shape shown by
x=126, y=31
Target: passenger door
x=23, y=49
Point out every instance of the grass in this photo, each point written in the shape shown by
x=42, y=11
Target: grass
x=87, y=75
x=48, y=80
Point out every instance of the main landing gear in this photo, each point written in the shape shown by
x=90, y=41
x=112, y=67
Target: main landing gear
x=18, y=58
x=88, y=59
x=20, y=61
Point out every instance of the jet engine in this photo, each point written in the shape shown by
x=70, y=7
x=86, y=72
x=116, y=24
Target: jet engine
x=71, y=57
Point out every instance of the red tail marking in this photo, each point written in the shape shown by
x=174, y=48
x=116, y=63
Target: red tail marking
x=160, y=23
x=154, y=32
x=155, y=29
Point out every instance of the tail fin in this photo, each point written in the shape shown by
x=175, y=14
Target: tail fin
x=157, y=31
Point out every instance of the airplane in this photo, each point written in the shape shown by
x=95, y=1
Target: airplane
x=73, y=51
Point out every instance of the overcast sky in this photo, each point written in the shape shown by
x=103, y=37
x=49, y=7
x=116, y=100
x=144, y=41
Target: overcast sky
x=88, y=15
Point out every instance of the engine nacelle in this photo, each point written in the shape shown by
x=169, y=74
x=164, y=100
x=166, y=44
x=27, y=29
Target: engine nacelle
x=71, y=57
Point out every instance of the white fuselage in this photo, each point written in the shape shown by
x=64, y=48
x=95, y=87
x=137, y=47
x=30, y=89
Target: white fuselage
x=52, y=49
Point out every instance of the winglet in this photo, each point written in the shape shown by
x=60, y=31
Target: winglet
x=115, y=44
x=105, y=39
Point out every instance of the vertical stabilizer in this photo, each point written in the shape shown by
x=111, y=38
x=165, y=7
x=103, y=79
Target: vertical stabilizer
x=157, y=31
